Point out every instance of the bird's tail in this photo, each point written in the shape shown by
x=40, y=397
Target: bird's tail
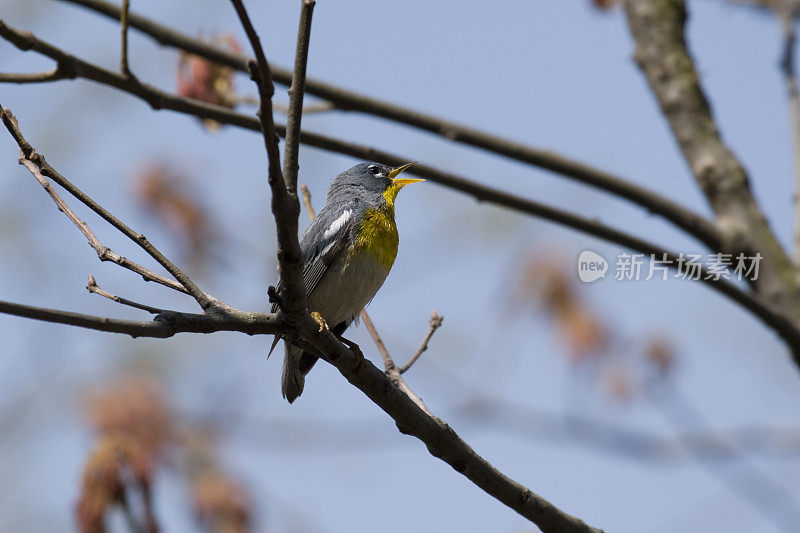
x=296, y=364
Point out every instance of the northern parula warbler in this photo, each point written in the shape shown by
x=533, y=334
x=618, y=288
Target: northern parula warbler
x=348, y=251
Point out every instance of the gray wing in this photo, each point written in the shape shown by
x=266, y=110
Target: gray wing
x=327, y=236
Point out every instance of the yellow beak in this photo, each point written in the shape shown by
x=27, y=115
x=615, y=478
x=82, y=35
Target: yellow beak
x=402, y=182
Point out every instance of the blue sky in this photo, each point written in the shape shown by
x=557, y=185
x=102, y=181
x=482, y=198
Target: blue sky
x=557, y=75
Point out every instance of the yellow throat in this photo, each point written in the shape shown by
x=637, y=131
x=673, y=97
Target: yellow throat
x=378, y=233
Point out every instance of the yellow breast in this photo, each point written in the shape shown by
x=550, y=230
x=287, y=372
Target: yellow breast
x=378, y=235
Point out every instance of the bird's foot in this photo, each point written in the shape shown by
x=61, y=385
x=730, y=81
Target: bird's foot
x=323, y=326
x=274, y=297
x=353, y=347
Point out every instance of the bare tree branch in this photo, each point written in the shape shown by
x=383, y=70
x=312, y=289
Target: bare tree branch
x=442, y=442
x=94, y=288
x=320, y=107
x=164, y=325
x=123, y=55
x=37, y=77
x=104, y=253
x=391, y=369
x=345, y=100
x=435, y=323
x=307, y=202
x=39, y=161
x=657, y=27
x=285, y=204
x=296, y=92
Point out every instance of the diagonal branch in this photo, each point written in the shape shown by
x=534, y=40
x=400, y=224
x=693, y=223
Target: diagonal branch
x=443, y=442
x=657, y=27
x=104, y=253
x=345, y=100
x=39, y=161
x=94, y=288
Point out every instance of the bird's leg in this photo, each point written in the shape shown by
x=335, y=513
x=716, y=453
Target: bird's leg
x=352, y=346
x=323, y=326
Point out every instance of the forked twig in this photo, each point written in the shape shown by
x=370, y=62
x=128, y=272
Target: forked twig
x=435, y=323
x=104, y=253
x=94, y=288
x=38, y=161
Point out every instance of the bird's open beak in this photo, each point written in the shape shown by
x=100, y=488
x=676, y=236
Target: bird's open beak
x=402, y=182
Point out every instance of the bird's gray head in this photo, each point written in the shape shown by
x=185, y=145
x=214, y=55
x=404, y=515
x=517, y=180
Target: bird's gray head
x=371, y=181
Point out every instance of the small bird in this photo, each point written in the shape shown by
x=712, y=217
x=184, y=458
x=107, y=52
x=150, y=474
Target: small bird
x=348, y=251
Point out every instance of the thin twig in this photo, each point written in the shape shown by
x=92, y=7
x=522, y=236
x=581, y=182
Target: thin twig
x=391, y=370
x=321, y=107
x=30, y=154
x=104, y=253
x=435, y=323
x=346, y=100
x=285, y=205
x=296, y=92
x=35, y=77
x=92, y=287
x=307, y=202
x=123, y=56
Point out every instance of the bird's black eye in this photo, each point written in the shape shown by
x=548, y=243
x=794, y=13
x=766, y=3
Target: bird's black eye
x=375, y=169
